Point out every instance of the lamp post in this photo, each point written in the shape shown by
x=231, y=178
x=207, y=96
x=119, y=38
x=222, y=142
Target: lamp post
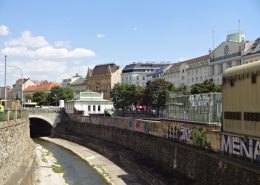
x=5, y=79
x=20, y=69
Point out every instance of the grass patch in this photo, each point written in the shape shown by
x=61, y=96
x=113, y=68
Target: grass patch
x=44, y=160
x=57, y=169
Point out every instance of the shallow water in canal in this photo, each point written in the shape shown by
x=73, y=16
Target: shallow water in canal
x=76, y=170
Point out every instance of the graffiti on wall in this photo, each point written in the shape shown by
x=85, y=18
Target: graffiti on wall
x=195, y=136
x=244, y=147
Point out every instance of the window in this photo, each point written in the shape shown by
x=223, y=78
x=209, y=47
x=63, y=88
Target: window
x=253, y=78
x=137, y=78
x=89, y=108
x=251, y=116
x=99, y=108
x=232, y=82
x=143, y=77
x=232, y=115
x=94, y=108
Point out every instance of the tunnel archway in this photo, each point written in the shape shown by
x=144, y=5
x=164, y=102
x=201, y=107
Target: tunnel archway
x=39, y=128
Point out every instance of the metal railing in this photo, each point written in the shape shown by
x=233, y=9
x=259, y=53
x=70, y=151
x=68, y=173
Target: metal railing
x=225, y=57
x=44, y=110
x=13, y=114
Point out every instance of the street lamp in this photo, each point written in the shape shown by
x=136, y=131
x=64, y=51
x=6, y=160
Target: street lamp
x=21, y=82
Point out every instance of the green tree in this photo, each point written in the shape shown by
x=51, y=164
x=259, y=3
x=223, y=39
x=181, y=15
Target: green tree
x=67, y=93
x=182, y=89
x=125, y=95
x=155, y=93
x=55, y=95
x=205, y=87
x=40, y=97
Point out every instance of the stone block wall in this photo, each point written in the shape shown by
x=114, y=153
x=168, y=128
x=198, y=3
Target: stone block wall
x=203, y=167
x=16, y=149
x=206, y=136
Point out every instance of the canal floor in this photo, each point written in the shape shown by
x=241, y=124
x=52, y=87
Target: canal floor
x=83, y=166
x=76, y=170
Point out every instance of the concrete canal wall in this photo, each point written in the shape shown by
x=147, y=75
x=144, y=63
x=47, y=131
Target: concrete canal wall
x=195, y=155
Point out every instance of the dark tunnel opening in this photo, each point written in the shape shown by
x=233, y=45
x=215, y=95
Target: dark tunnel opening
x=40, y=128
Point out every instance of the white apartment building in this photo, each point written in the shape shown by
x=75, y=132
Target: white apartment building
x=136, y=73
x=252, y=52
x=20, y=85
x=77, y=83
x=227, y=54
x=188, y=72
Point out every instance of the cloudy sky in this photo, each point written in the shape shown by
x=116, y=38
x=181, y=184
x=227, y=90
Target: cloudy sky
x=55, y=39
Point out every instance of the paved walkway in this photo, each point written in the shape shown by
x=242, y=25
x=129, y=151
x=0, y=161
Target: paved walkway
x=112, y=173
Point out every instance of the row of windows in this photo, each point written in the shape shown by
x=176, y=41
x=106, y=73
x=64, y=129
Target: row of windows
x=253, y=80
x=94, y=108
x=137, y=78
x=248, y=116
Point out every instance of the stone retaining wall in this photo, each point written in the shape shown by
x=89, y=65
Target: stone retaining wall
x=201, y=166
x=16, y=153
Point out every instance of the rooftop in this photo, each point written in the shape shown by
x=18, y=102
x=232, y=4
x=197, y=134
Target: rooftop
x=45, y=86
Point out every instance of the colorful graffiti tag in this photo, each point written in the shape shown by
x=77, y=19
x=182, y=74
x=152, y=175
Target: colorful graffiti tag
x=244, y=147
x=195, y=136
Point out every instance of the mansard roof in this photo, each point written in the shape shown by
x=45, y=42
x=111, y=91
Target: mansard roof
x=104, y=69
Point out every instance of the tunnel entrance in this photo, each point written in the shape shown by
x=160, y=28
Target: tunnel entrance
x=40, y=128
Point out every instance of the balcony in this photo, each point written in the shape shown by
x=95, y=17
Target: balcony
x=225, y=57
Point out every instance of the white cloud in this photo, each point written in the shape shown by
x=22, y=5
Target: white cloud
x=38, y=47
x=100, y=35
x=48, y=52
x=62, y=44
x=4, y=30
x=28, y=40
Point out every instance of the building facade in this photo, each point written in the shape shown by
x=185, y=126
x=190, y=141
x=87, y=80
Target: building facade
x=20, y=85
x=188, y=72
x=103, y=78
x=89, y=103
x=252, y=52
x=44, y=87
x=139, y=73
x=77, y=83
x=227, y=54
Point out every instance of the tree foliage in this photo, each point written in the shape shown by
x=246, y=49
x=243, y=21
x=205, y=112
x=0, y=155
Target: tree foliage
x=57, y=93
x=67, y=93
x=205, y=87
x=125, y=95
x=182, y=89
x=40, y=97
x=155, y=93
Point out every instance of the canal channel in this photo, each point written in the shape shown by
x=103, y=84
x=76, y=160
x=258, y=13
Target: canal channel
x=76, y=170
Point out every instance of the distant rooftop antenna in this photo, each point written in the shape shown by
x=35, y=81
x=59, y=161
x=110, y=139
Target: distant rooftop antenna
x=213, y=40
x=238, y=25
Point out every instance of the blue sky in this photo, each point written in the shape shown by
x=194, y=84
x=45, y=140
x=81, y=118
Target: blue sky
x=54, y=39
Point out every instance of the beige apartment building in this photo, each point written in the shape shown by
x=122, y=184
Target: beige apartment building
x=103, y=78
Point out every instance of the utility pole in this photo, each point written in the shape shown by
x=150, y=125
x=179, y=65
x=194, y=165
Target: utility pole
x=5, y=79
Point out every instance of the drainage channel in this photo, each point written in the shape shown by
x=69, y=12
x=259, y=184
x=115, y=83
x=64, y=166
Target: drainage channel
x=76, y=170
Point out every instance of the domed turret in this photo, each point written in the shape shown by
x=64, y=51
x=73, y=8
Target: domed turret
x=235, y=37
